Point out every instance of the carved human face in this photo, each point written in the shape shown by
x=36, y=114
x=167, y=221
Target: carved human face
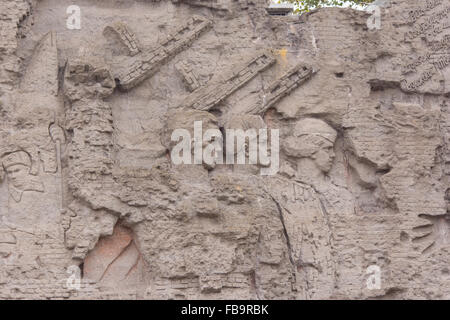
x=17, y=175
x=325, y=155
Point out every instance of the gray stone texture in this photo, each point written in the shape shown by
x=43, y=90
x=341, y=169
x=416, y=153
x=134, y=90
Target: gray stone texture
x=86, y=178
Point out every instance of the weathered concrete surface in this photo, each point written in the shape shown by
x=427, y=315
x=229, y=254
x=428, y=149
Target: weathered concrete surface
x=86, y=177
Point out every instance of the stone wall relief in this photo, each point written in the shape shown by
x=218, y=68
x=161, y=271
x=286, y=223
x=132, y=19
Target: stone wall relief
x=302, y=201
x=17, y=167
x=31, y=155
x=427, y=71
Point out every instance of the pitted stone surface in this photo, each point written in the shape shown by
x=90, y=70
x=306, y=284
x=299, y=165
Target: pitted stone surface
x=93, y=207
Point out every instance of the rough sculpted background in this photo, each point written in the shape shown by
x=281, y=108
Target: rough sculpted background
x=86, y=178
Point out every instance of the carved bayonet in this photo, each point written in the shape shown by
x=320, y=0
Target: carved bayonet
x=125, y=36
x=282, y=87
x=144, y=64
x=208, y=97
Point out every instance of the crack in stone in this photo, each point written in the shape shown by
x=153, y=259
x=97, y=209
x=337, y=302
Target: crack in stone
x=134, y=266
x=115, y=259
x=288, y=242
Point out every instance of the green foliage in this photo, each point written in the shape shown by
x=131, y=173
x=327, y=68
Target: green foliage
x=307, y=5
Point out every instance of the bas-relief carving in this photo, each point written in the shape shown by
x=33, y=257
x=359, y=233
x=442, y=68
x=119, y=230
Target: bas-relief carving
x=17, y=166
x=30, y=155
x=125, y=36
x=305, y=216
x=213, y=231
x=189, y=77
x=282, y=87
x=212, y=4
x=432, y=234
x=433, y=28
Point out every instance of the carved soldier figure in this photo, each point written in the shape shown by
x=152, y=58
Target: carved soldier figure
x=200, y=254
x=26, y=208
x=303, y=207
x=312, y=144
x=30, y=156
x=17, y=166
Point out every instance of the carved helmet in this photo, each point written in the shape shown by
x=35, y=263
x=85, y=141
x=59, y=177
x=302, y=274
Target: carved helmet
x=15, y=158
x=312, y=126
